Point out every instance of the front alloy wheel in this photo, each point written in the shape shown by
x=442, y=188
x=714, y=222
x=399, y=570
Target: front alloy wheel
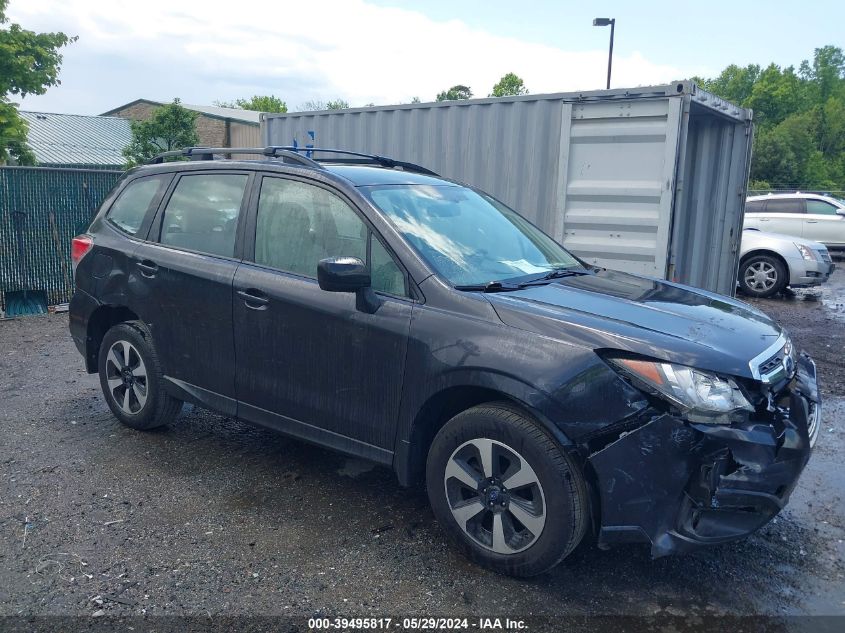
x=505, y=492
x=495, y=496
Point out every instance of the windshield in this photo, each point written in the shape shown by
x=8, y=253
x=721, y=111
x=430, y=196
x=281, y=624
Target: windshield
x=470, y=239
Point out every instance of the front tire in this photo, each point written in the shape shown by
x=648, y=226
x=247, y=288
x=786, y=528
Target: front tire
x=762, y=276
x=505, y=493
x=131, y=378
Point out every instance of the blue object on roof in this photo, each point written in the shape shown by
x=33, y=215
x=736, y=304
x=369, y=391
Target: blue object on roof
x=65, y=140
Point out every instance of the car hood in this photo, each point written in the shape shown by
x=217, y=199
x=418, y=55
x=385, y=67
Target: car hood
x=667, y=321
x=752, y=238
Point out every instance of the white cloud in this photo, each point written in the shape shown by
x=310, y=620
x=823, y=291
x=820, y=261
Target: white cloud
x=203, y=50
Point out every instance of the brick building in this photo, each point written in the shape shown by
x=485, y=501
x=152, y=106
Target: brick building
x=216, y=127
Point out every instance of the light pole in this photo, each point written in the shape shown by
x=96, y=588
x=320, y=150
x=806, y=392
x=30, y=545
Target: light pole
x=612, y=23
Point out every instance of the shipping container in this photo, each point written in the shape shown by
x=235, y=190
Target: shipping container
x=647, y=180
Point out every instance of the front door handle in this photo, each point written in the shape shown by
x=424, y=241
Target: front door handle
x=764, y=219
x=811, y=221
x=254, y=299
x=147, y=267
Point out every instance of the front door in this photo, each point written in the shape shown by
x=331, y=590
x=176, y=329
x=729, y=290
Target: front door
x=823, y=224
x=184, y=278
x=308, y=362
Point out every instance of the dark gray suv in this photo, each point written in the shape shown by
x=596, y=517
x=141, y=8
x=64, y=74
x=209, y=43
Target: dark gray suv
x=369, y=306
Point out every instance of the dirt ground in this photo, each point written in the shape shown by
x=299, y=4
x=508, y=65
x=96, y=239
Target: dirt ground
x=215, y=517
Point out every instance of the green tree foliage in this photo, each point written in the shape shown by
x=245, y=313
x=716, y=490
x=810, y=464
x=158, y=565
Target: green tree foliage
x=171, y=127
x=455, y=93
x=29, y=64
x=259, y=103
x=799, y=141
x=509, y=85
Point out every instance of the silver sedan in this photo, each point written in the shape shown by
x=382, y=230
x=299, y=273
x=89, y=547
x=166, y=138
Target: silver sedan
x=769, y=262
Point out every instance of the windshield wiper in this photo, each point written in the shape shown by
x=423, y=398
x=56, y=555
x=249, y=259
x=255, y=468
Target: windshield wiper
x=557, y=273
x=492, y=286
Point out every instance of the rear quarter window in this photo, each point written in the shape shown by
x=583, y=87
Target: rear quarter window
x=754, y=206
x=131, y=207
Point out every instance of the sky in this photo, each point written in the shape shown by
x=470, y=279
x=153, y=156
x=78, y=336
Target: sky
x=389, y=51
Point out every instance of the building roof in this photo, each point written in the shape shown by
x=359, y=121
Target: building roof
x=250, y=117
x=75, y=139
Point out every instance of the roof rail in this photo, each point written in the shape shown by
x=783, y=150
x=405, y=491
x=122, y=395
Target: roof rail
x=208, y=153
x=299, y=155
x=358, y=158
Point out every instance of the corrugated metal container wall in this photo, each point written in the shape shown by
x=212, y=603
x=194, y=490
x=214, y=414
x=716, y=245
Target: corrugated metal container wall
x=41, y=209
x=603, y=172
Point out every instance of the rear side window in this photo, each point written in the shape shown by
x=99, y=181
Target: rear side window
x=754, y=206
x=785, y=205
x=821, y=207
x=202, y=214
x=130, y=208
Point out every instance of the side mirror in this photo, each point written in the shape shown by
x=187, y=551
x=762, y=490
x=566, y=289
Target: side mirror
x=348, y=274
x=342, y=274
x=840, y=212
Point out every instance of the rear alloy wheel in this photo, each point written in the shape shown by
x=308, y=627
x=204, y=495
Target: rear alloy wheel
x=762, y=276
x=131, y=378
x=504, y=491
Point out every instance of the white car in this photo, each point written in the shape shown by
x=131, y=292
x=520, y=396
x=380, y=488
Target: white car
x=770, y=262
x=806, y=215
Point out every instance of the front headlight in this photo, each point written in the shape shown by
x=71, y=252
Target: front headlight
x=807, y=253
x=700, y=395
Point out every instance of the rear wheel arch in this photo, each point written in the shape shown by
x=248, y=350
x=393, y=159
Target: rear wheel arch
x=101, y=321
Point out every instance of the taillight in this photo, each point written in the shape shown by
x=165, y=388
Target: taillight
x=79, y=248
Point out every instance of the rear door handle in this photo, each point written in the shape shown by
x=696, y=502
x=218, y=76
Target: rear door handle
x=764, y=219
x=254, y=299
x=148, y=268
x=811, y=221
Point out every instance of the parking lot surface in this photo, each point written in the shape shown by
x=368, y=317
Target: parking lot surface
x=215, y=517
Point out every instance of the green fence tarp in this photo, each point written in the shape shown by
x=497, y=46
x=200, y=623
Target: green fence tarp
x=41, y=209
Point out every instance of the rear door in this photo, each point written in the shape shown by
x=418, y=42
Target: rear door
x=823, y=224
x=185, y=272
x=754, y=214
x=309, y=362
x=783, y=215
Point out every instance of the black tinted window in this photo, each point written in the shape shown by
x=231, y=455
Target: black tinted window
x=299, y=224
x=202, y=214
x=785, y=205
x=754, y=206
x=130, y=208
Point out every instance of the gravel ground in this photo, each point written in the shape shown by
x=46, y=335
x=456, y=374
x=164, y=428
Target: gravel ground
x=212, y=516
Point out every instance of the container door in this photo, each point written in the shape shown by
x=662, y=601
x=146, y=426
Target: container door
x=616, y=183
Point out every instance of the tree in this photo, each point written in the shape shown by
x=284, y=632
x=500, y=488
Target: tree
x=734, y=83
x=259, y=103
x=317, y=105
x=29, y=64
x=509, y=85
x=171, y=127
x=455, y=93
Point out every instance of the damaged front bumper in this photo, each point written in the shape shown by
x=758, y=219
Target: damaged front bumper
x=680, y=485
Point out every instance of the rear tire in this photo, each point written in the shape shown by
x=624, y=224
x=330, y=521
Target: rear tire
x=762, y=276
x=131, y=378
x=504, y=492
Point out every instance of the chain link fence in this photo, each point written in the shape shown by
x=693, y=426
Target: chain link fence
x=41, y=209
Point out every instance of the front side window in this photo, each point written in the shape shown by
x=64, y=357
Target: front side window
x=130, y=208
x=785, y=205
x=299, y=224
x=820, y=207
x=468, y=238
x=202, y=214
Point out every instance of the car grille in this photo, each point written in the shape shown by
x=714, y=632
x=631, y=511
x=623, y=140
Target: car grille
x=772, y=364
x=825, y=256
